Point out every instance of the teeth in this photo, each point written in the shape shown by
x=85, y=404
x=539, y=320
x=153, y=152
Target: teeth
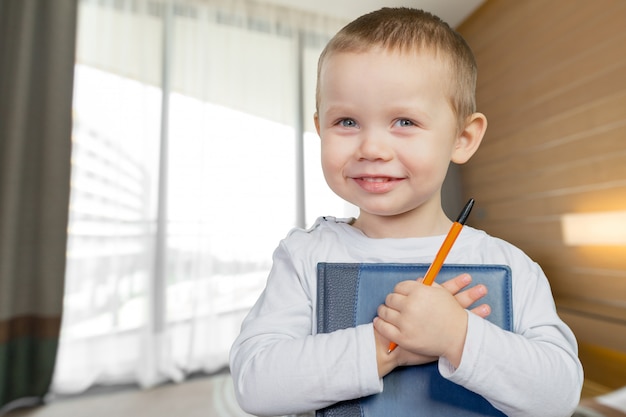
x=369, y=179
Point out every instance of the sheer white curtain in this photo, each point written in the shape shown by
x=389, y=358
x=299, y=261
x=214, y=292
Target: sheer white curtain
x=186, y=122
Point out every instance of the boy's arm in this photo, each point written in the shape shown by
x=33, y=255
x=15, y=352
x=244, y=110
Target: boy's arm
x=536, y=374
x=280, y=366
x=531, y=371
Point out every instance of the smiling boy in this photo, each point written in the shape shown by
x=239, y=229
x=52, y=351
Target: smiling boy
x=395, y=105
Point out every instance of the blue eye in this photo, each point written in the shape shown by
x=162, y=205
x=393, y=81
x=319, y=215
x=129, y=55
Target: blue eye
x=347, y=123
x=404, y=123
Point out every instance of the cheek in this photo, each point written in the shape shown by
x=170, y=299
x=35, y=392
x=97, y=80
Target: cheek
x=334, y=161
x=332, y=172
x=332, y=153
x=427, y=163
x=329, y=160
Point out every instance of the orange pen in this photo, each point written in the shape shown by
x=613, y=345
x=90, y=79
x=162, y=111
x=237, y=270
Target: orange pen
x=435, y=267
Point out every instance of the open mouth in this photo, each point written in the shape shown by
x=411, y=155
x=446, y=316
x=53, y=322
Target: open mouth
x=377, y=184
x=376, y=179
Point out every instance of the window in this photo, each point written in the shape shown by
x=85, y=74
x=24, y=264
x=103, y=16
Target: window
x=184, y=180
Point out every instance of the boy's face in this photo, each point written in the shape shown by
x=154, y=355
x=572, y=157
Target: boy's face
x=387, y=129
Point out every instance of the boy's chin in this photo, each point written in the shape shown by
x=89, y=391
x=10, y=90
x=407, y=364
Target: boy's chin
x=395, y=213
x=385, y=214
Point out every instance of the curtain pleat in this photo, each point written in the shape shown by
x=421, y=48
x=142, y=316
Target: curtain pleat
x=37, y=39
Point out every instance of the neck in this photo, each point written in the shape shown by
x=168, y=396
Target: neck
x=405, y=225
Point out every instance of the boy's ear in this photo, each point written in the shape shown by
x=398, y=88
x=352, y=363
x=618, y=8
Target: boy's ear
x=316, y=120
x=469, y=139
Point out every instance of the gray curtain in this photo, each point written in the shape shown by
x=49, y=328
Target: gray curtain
x=37, y=43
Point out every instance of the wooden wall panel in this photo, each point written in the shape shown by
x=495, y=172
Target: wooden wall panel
x=552, y=83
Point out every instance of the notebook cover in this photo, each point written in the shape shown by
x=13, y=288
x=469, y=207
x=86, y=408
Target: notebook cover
x=348, y=294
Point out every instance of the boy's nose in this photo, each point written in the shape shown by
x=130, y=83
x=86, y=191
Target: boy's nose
x=374, y=146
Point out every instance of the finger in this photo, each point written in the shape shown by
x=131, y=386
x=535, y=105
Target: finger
x=389, y=315
x=457, y=283
x=395, y=300
x=482, y=310
x=471, y=295
x=405, y=287
x=387, y=330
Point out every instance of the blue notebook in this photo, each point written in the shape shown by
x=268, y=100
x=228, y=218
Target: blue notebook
x=348, y=294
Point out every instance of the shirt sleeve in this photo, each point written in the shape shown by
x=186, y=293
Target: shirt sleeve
x=532, y=371
x=280, y=366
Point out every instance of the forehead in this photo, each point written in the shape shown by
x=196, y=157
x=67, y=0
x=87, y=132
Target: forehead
x=383, y=66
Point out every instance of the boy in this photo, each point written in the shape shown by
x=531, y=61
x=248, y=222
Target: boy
x=395, y=105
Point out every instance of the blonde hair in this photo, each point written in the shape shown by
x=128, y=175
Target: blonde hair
x=405, y=29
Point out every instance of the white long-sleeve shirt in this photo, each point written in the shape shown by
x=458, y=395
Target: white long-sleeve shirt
x=280, y=365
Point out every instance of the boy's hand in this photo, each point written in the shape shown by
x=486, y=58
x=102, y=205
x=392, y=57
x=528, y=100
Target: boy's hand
x=426, y=322
x=387, y=362
x=468, y=297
